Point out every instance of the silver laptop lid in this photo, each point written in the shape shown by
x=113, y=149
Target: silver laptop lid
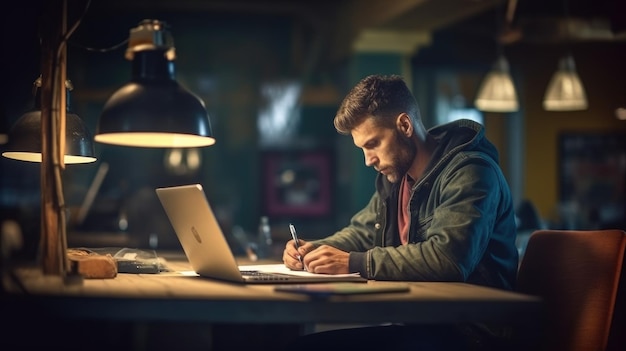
x=199, y=232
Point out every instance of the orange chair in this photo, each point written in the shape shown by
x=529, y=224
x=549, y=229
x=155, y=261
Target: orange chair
x=577, y=274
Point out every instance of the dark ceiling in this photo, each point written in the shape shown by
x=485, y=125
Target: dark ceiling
x=338, y=23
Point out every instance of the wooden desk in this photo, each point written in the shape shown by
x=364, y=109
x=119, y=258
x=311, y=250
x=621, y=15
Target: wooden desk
x=155, y=297
x=172, y=298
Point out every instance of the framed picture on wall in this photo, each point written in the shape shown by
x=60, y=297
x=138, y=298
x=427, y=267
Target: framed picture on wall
x=297, y=183
x=592, y=179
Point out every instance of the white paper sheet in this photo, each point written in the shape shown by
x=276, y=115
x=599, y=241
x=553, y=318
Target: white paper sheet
x=281, y=268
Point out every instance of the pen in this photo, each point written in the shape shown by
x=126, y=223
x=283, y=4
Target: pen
x=294, y=236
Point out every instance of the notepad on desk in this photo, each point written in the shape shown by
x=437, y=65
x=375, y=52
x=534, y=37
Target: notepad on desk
x=282, y=269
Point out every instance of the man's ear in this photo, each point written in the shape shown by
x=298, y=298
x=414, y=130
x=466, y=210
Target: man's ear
x=404, y=125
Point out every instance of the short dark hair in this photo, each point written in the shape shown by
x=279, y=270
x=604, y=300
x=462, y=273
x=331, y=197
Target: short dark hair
x=377, y=96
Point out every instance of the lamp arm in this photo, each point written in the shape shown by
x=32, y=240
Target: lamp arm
x=53, y=242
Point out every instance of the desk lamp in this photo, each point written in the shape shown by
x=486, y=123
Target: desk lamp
x=24, y=138
x=153, y=109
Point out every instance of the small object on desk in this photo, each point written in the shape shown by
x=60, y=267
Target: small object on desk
x=137, y=267
x=294, y=236
x=126, y=260
x=92, y=265
x=342, y=288
x=137, y=261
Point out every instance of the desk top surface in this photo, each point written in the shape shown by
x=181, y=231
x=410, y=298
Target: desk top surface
x=172, y=296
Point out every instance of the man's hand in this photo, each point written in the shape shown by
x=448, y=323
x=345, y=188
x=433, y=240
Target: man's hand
x=291, y=256
x=325, y=259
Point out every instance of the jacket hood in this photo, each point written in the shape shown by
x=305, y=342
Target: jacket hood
x=462, y=135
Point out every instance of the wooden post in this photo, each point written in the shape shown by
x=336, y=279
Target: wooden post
x=53, y=245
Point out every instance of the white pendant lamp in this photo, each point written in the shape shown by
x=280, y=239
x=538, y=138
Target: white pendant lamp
x=565, y=91
x=497, y=92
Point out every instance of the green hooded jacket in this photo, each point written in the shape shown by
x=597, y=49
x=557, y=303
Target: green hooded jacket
x=462, y=222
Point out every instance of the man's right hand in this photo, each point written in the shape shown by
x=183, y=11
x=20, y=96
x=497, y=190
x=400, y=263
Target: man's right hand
x=293, y=256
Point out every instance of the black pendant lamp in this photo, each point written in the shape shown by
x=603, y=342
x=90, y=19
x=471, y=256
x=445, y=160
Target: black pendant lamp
x=153, y=109
x=25, y=139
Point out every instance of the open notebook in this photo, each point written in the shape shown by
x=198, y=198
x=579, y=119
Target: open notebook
x=207, y=249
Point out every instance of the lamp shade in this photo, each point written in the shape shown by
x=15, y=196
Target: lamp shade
x=565, y=91
x=497, y=92
x=25, y=138
x=153, y=109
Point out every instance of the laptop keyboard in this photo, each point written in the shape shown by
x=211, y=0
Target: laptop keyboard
x=256, y=275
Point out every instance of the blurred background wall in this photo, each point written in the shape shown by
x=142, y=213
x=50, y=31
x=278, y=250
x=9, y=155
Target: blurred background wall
x=272, y=74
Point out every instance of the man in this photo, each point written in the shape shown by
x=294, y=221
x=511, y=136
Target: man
x=441, y=211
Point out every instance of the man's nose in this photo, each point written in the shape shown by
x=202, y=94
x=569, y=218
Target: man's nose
x=370, y=159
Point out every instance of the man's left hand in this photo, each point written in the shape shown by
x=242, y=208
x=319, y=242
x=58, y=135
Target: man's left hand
x=327, y=260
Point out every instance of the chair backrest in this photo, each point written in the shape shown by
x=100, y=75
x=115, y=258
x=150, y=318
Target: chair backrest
x=577, y=274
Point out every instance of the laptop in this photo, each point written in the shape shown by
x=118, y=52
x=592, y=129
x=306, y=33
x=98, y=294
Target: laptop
x=208, y=251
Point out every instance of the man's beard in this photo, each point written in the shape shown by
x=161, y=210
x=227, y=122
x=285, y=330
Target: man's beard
x=403, y=158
